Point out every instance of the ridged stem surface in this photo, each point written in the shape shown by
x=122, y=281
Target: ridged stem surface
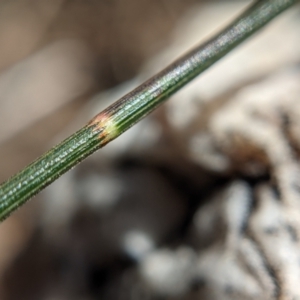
x=124, y=113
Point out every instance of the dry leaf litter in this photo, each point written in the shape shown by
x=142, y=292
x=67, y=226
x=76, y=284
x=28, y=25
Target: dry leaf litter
x=199, y=201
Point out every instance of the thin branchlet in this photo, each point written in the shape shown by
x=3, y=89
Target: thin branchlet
x=131, y=108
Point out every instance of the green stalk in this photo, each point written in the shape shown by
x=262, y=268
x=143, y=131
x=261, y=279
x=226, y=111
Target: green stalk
x=124, y=113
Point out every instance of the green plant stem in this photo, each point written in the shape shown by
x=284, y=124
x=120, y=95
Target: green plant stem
x=121, y=115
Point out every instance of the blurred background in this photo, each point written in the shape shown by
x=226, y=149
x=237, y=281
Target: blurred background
x=189, y=203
